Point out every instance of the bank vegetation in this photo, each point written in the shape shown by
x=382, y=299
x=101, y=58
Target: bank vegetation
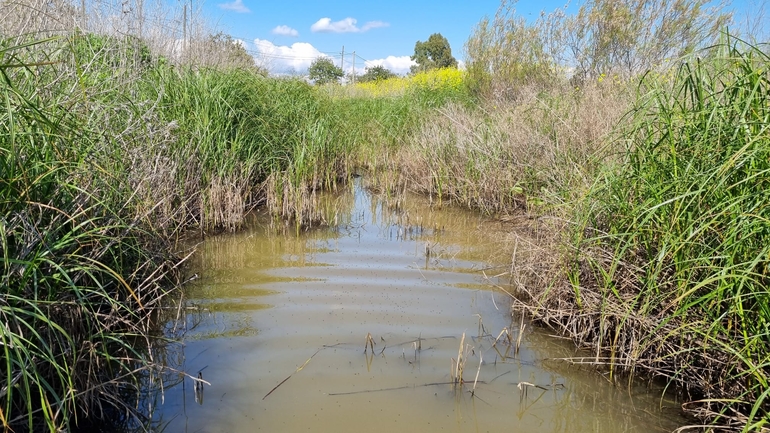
x=631, y=135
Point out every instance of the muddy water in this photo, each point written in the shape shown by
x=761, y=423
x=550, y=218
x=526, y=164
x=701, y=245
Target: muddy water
x=284, y=320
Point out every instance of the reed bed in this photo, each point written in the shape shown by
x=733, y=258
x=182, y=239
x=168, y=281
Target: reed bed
x=235, y=128
x=82, y=278
x=508, y=158
x=667, y=269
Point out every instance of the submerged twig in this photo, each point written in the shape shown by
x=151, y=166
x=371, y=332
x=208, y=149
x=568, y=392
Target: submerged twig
x=295, y=371
x=481, y=360
x=396, y=388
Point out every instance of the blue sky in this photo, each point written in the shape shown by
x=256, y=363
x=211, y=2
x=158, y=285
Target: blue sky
x=287, y=35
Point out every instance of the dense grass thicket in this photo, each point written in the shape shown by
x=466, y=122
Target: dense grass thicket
x=644, y=177
x=683, y=221
x=109, y=153
x=81, y=275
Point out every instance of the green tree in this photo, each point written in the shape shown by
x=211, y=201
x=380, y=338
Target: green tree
x=506, y=53
x=620, y=38
x=628, y=37
x=323, y=71
x=432, y=54
x=222, y=50
x=376, y=73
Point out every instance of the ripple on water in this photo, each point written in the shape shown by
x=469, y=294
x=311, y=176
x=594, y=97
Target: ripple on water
x=272, y=303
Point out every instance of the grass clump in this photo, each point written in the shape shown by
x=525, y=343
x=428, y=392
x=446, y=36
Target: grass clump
x=696, y=221
x=80, y=278
x=235, y=128
x=671, y=264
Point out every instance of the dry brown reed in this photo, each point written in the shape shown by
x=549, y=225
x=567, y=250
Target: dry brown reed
x=619, y=338
x=497, y=157
x=228, y=200
x=40, y=17
x=369, y=343
x=288, y=201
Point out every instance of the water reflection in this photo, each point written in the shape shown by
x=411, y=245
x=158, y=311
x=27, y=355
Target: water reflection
x=368, y=325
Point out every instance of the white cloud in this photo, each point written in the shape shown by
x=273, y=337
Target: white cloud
x=325, y=25
x=285, y=31
x=280, y=59
x=399, y=65
x=236, y=6
x=374, y=25
x=348, y=25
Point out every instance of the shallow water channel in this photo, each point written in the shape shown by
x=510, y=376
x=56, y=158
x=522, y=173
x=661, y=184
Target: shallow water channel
x=275, y=304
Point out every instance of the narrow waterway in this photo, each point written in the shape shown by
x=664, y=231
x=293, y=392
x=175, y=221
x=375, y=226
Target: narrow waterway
x=283, y=320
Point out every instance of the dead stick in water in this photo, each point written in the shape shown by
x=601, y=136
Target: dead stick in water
x=394, y=388
x=295, y=371
x=481, y=359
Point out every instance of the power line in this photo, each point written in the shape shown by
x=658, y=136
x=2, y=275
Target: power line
x=280, y=56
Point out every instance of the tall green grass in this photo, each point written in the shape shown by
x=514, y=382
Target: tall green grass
x=234, y=129
x=243, y=139
x=79, y=277
x=98, y=176
x=681, y=257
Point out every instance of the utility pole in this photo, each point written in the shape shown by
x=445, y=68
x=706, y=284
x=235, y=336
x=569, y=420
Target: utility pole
x=354, y=67
x=140, y=7
x=342, y=61
x=184, y=30
x=84, y=16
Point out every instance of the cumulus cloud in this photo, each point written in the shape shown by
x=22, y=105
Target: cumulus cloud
x=397, y=64
x=348, y=25
x=282, y=59
x=285, y=31
x=236, y=6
